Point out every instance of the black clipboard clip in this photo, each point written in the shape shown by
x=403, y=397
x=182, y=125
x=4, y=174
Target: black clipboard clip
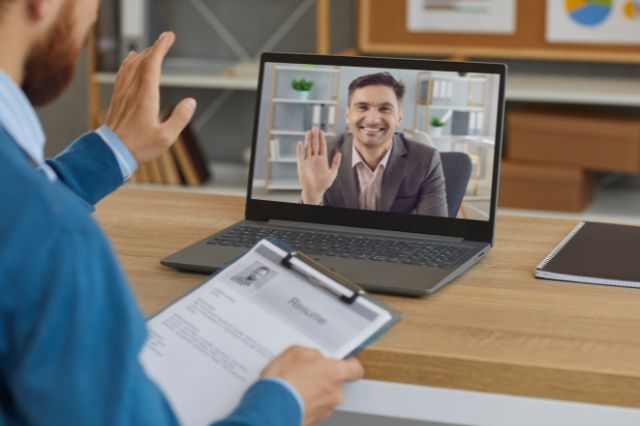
x=353, y=288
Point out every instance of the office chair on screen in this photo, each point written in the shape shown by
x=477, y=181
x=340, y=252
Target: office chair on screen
x=456, y=167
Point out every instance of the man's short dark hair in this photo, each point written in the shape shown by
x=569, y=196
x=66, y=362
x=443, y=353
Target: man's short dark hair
x=378, y=79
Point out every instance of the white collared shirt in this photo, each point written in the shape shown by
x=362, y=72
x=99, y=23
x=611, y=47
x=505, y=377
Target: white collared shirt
x=370, y=181
x=19, y=119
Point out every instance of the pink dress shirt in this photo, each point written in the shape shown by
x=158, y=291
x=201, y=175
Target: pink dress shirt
x=370, y=181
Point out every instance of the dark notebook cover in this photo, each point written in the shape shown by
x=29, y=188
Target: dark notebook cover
x=597, y=253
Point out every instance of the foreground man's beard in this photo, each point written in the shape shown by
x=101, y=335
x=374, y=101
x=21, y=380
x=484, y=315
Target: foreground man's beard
x=51, y=64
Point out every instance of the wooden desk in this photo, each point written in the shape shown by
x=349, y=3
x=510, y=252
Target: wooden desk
x=494, y=329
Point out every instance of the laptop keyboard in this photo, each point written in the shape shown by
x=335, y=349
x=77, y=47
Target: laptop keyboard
x=350, y=246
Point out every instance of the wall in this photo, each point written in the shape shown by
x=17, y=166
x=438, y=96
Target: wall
x=67, y=118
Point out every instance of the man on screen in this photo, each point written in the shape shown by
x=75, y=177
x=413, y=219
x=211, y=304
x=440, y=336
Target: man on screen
x=372, y=168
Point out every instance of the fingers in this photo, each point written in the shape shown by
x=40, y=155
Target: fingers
x=123, y=73
x=322, y=143
x=350, y=370
x=157, y=54
x=152, y=57
x=315, y=142
x=335, y=163
x=146, y=67
x=307, y=144
x=300, y=151
x=179, y=118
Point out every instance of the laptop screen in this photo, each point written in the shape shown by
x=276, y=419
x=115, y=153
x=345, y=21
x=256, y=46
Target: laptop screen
x=416, y=142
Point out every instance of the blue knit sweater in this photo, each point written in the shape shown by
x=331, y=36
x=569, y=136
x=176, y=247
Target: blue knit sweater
x=70, y=329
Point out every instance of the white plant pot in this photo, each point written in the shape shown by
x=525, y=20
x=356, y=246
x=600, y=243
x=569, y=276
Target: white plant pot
x=303, y=95
x=435, y=131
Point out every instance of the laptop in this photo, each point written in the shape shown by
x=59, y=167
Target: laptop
x=410, y=202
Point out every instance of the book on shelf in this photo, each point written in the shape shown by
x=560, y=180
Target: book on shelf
x=437, y=90
x=331, y=117
x=196, y=156
x=154, y=171
x=183, y=164
x=324, y=122
x=133, y=25
x=169, y=169
x=308, y=117
x=316, y=116
x=142, y=174
x=442, y=91
x=187, y=169
x=134, y=178
x=424, y=91
x=107, y=36
x=274, y=149
x=460, y=123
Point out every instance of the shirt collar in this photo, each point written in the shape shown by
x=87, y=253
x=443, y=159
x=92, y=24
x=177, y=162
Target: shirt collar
x=19, y=120
x=356, y=158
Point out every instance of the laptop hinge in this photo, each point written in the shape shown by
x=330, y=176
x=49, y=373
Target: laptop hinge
x=364, y=231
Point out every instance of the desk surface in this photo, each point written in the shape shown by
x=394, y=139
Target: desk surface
x=494, y=329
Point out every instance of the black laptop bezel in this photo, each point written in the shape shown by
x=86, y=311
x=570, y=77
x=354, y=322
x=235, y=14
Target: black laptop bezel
x=262, y=210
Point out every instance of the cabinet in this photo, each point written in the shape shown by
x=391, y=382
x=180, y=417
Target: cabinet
x=291, y=115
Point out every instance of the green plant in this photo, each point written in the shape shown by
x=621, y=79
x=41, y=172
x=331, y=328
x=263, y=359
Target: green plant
x=436, y=122
x=302, y=84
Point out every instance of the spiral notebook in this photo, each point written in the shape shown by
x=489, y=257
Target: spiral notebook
x=596, y=253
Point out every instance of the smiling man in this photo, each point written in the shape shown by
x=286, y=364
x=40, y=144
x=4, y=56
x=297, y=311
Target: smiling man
x=373, y=167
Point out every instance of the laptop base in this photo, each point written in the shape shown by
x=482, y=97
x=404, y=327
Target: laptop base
x=378, y=277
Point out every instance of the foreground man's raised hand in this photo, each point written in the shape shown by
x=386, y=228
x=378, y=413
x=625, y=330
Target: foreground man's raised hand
x=134, y=114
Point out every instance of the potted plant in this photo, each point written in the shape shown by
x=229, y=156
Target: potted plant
x=302, y=86
x=436, y=126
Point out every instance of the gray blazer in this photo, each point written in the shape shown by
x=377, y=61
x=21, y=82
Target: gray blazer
x=413, y=181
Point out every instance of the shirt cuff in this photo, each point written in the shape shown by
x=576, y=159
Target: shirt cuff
x=127, y=163
x=291, y=390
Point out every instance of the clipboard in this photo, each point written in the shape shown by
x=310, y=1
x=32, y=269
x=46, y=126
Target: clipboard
x=353, y=291
x=221, y=334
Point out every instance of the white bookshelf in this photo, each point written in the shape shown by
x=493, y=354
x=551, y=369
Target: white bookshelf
x=277, y=132
x=307, y=68
x=193, y=80
x=285, y=108
x=306, y=101
x=283, y=160
x=283, y=185
x=522, y=87
x=456, y=107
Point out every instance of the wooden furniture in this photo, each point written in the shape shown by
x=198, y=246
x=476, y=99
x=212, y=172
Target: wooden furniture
x=375, y=17
x=552, y=154
x=495, y=329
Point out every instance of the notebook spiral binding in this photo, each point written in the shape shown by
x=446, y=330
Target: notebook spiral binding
x=559, y=247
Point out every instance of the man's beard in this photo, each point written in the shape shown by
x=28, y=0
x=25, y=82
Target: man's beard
x=51, y=63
